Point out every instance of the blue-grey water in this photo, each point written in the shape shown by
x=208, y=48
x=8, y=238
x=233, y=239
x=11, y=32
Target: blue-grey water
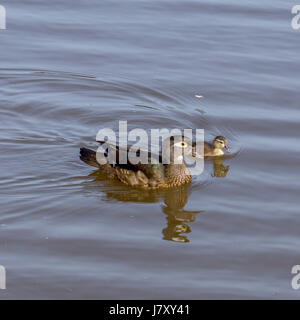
x=68, y=69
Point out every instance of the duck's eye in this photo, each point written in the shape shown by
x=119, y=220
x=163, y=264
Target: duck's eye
x=183, y=144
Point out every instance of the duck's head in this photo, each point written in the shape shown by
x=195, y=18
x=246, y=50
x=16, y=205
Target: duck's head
x=220, y=142
x=178, y=147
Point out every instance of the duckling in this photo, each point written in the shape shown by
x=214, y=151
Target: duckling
x=216, y=147
x=152, y=176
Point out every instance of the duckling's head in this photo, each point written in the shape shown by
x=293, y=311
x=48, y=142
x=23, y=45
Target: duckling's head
x=220, y=142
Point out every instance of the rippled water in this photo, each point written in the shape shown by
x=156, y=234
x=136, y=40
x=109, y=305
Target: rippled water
x=68, y=71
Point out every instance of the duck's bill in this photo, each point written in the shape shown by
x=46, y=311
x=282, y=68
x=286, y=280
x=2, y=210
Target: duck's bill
x=194, y=151
x=195, y=154
x=227, y=148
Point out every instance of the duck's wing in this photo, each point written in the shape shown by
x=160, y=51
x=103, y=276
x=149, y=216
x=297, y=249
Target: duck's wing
x=139, y=153
x=130, y=173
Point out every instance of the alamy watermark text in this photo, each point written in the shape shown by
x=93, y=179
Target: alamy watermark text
x=296, y=19
x=2, y=277
x=2, y=17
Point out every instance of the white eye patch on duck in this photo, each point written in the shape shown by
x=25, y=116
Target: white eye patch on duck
x=181, y=144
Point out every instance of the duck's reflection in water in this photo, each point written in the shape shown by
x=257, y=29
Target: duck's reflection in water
x=173, y=201
x=220, y=171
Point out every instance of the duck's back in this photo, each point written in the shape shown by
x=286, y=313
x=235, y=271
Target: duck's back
x=208, y=149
